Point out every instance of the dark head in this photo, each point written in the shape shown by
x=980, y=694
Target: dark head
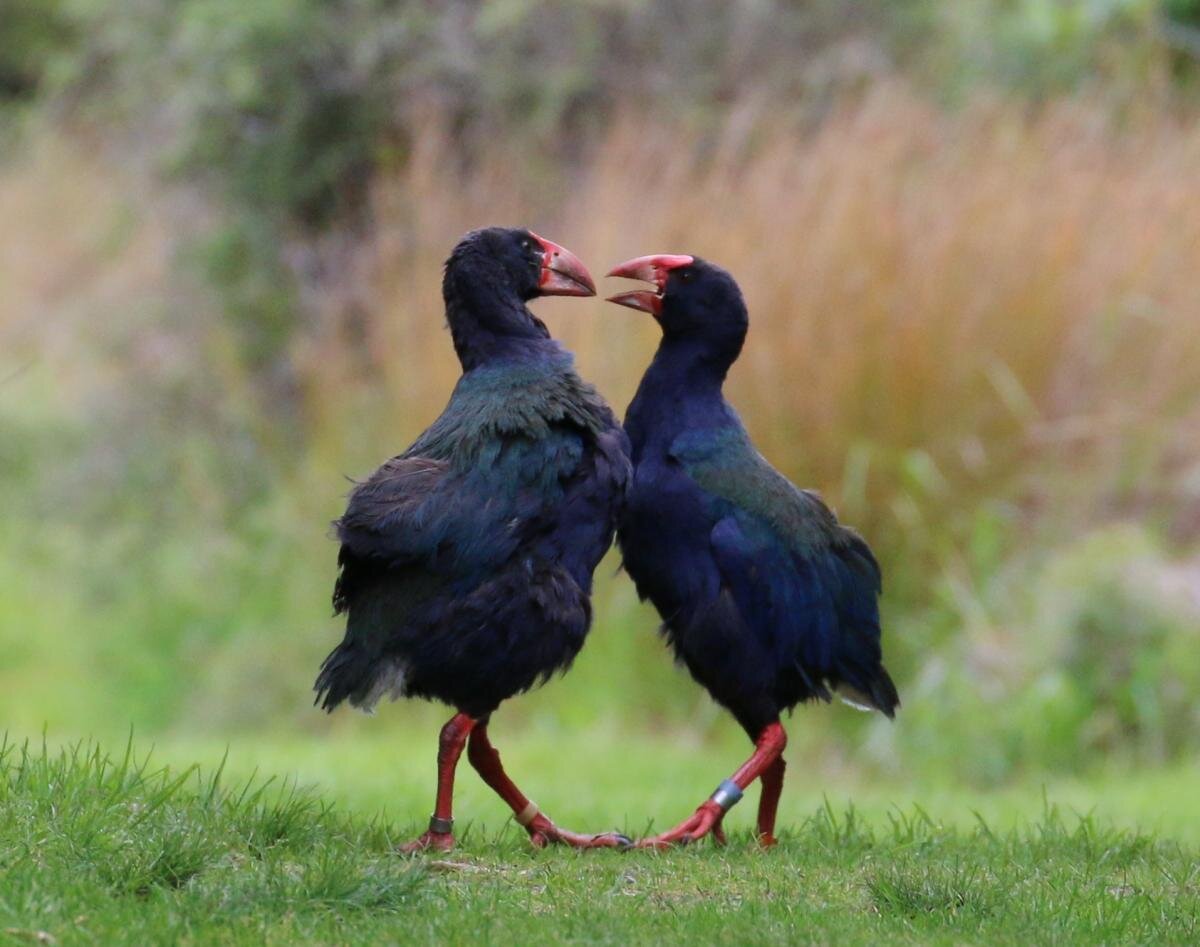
x=489, y=277
x=694, y=302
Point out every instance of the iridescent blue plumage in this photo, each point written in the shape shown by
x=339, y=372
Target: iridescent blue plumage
x=765, y=597
x=466, y=561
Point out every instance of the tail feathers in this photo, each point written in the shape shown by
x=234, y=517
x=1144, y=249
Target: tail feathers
x=878, y=693
x=355, y=673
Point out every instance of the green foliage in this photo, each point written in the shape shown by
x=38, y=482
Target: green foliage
x=1183, y=11
x=1118, y=620
x=290, y=105
x=256, y=291
x=281, y=100
x=287, y=112
x=34, y=33
x=1039, y=46
x=1102, y=670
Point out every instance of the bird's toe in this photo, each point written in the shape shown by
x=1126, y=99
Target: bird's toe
x=438, y=841
x=621, y=841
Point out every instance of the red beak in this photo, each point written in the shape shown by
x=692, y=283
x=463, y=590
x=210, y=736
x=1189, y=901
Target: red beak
x=563, y=273
x=650, y=269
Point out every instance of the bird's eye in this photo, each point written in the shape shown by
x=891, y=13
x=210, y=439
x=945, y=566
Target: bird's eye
x=525, y=244
x=685, y=275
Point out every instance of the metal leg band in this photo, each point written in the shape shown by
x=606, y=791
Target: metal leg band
x=727, y=795
x=440, y=826
x=527, y=815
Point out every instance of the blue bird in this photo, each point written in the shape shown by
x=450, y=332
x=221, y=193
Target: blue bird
x=765, y=597
x=466, y=562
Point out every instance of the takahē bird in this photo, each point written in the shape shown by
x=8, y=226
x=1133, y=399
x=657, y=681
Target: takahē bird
x=466, y=562
x=765, y=597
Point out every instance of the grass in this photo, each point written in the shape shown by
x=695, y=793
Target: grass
x=974, y=330
x=950, y=311
x=115, y=850
x=110, y=849
x=389, y=770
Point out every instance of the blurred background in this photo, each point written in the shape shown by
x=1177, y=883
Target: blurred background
x=969, y=235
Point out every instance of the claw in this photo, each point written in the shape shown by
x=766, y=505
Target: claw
x=699, y=824
x=543, y=832
x=438, y=841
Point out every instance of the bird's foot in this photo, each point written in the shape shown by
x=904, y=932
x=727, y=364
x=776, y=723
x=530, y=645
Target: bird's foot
x=543, y=832
x=705, y=820
x=438, y=841
x=767, y=840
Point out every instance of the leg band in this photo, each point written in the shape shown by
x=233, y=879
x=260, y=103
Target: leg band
x=527, y=815
x=727, y=795
x=440, y=826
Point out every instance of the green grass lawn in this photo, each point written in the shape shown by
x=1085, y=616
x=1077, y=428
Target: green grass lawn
x=114, y=850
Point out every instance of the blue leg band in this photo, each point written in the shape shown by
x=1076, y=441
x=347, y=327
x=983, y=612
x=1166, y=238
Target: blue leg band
x=727, y=795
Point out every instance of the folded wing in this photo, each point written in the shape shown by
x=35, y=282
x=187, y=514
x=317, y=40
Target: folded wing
x=807, y=586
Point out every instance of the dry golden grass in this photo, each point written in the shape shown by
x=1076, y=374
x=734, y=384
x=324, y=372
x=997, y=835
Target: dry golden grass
x=944, y=307
x=966, y=326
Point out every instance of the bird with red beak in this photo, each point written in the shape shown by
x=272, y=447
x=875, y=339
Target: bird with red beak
x=765, y=597
x=561, y=272
x=648, y=269
x=465, y=570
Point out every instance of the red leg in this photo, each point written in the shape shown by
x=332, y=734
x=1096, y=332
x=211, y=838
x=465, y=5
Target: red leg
x=718, y=830
x=767, y=749
x=440, y=833
x=486, y=760
x=768, y=803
